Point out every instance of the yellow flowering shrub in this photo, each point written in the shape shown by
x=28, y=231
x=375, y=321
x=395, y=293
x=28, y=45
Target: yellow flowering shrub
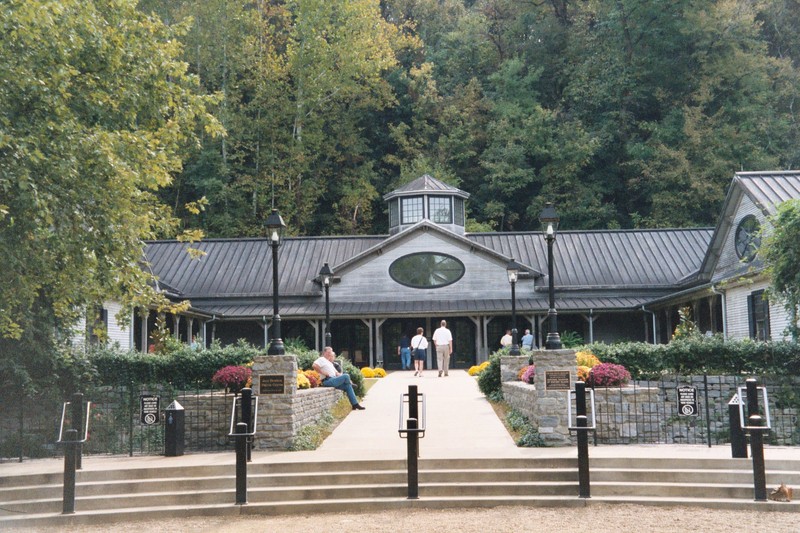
x=367, y=372
x=302, y=381
x=477, y=369
x=380, y=373
x=587, y=359
x=583, y=373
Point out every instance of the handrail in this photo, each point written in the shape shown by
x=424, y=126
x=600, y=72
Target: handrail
x=743, y=420
x=404, y=399
x=232, y=431
x=570, y=427
x=61, y=426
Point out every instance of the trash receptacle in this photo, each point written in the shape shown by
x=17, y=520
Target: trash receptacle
x=174, y=430
x=738, y=439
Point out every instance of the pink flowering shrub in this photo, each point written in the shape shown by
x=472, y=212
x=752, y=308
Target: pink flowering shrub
x=529, y=372
x=608, y=375
x=233, y=378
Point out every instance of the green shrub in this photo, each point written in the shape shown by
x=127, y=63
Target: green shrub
x=489, y=379
x=571, y=339
x=701, y=354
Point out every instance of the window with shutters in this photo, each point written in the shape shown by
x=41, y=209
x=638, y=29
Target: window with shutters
x=758, y=314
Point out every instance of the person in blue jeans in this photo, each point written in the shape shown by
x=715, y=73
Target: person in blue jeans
x=404, y=351
x=332, y=378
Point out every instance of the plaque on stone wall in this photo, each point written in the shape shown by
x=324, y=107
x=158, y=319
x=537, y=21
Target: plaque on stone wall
x=271, y=384
x=556, y=380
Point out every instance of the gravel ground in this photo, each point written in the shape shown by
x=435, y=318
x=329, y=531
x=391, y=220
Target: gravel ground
x=597, y=519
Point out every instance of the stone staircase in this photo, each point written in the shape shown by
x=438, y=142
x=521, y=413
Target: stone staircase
x=107, y=496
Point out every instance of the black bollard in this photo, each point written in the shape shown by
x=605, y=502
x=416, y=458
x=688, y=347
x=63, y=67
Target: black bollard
x=77, y=425
x=584, y=490
x=70, y=455
x=247, y=416
x=413, y=443
x=241, y=463
x=755, y=421
x=738, y=438
x=413, y=462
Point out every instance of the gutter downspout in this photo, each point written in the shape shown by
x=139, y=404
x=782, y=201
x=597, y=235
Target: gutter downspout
x=654, y=322
x=724, y=310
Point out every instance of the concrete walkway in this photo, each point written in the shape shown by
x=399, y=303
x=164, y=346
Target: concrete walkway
x=460, y=424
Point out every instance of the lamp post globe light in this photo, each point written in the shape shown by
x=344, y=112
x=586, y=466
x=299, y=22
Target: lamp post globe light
x=549, y=221
x=513, y=274
x=325, y=276
x=275, y=227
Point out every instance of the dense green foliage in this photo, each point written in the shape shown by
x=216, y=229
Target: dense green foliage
x=97, y=110
x=699, y=354
x=625, y=113
x=183, y=368
x=781, y=254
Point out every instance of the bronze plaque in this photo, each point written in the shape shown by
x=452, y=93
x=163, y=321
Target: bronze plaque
x=271, y=384
x=556, y=380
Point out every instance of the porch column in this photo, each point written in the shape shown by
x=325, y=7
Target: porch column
x=145, y=336
x=478, y=355
x=369, y=322
x=590, y=319
x=379, y=340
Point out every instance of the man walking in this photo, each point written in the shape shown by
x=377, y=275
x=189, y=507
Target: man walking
x=443, y=340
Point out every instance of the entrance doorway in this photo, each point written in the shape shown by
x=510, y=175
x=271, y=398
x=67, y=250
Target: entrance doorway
x=463, y=330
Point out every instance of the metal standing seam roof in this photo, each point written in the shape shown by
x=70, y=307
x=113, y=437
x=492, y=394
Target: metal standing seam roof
x=441, y=307
x=425, y=184
x=585, y=262
x=243, y=267
x=769, y=189
x=613, y=258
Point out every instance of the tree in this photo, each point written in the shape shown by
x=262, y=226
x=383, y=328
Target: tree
x=96, y=111
x=781, y=255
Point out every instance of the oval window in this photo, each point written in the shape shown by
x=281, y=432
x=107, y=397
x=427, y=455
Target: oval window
x=425, y=270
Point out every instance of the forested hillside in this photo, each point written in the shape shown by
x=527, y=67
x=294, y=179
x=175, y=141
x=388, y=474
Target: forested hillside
x=625, y=113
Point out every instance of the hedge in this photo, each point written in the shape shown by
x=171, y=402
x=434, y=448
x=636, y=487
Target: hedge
x=700, y=354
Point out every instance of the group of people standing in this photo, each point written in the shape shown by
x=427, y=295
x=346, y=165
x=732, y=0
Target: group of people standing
x=416, y=349
x=526, y=340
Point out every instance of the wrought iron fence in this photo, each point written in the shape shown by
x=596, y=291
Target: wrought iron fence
x=117, y=424
x=648, y=412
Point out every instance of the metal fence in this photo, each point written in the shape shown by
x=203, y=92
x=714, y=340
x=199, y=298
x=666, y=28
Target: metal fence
x=117, y=422
x=649, y=412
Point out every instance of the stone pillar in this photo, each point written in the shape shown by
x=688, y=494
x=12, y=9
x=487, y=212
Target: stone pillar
x=275, y=424
x=550, y=412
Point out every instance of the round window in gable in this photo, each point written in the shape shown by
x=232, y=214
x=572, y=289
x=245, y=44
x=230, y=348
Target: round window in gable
x=747, y=238
x=425, y=270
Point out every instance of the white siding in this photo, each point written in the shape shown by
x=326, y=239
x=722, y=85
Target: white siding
x=728, y=260
x=118, y=332
x=737, y=312
x=484, y=278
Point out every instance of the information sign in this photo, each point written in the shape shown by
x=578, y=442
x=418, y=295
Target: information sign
x=556, y=380
x=687, y=401
x=149, y=409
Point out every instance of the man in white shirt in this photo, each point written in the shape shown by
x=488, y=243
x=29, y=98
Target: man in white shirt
x=443, y=340
x=332, y=378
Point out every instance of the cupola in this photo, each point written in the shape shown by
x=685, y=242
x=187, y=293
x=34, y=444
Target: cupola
x=426, y=198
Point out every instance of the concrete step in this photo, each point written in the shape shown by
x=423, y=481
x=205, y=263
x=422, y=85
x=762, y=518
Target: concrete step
x=301, y=487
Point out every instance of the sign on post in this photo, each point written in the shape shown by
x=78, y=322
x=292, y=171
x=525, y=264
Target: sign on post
x=687, y=401
x=149, y=409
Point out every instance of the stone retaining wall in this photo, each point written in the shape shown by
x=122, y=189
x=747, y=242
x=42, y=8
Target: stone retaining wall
x=282, y=415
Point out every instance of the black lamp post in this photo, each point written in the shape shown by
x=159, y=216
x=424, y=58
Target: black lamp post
x=325, y=275
x=549, y=220
x=513, y=274
x=275, y=227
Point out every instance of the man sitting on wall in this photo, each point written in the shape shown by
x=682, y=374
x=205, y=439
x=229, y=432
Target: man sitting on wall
x=333, y=378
